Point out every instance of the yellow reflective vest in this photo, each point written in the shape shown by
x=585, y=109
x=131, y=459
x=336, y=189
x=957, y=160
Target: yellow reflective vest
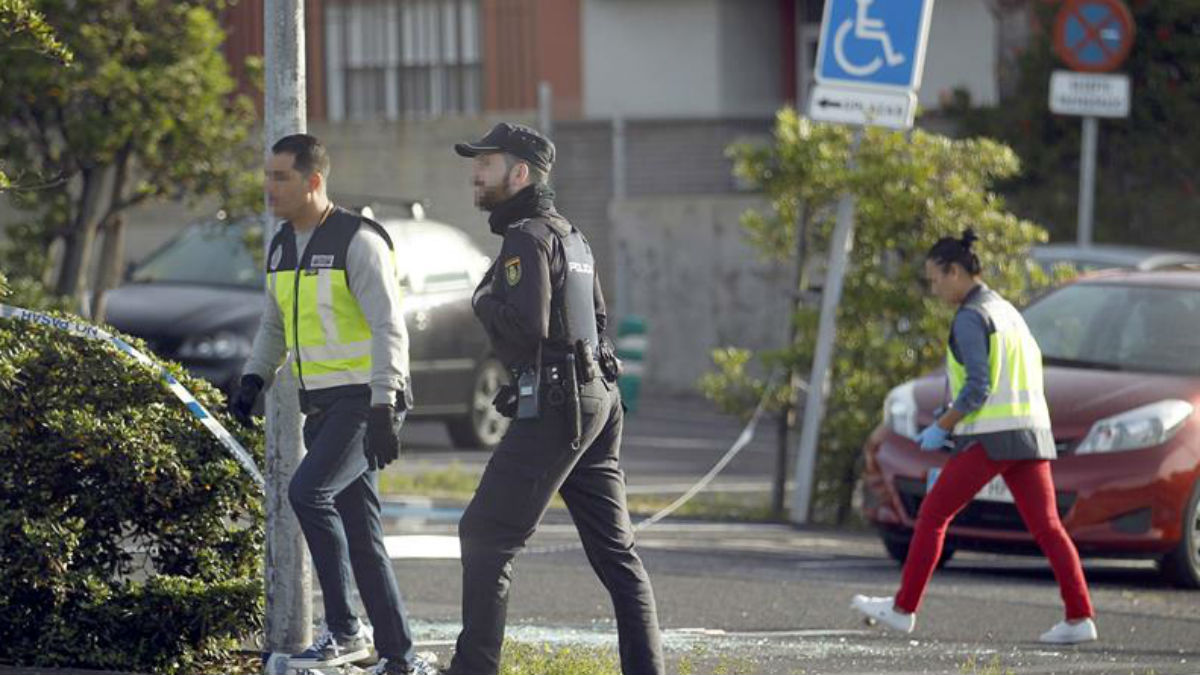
x=1016, y=396
x=326, y=331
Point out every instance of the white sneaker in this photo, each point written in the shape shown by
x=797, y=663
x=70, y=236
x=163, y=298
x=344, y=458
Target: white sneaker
x=1065, y=633
x=883, y=610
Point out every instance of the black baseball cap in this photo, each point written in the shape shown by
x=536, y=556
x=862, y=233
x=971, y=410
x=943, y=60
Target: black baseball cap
x=517, y=140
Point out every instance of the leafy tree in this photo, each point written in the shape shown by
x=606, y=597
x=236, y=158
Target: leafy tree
x=1148, y=165
x=22, y=27
x=911, y=189
x=145, y=112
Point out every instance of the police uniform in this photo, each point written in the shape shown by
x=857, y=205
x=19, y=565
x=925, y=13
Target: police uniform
x=542, y=307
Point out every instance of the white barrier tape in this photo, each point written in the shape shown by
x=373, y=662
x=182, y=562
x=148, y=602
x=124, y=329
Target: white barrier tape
x=90, y=332
x=742, y=441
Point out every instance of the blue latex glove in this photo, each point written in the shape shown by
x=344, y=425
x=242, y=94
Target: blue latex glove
x=932, y=437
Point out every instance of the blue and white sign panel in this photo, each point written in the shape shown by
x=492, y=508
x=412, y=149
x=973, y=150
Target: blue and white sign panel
x=874, y=43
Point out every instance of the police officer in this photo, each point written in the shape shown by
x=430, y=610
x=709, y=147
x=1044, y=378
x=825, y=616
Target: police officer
x=335, y=306
x=542, y=308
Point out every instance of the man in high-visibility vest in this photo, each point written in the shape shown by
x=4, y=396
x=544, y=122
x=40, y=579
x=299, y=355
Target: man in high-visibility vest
x=334, y=308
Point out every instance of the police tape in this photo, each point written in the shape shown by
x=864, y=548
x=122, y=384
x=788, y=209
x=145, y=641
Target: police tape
x=739, y=444
x=90, y=332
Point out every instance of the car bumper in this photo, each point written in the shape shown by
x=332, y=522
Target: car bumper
x=1127, y=503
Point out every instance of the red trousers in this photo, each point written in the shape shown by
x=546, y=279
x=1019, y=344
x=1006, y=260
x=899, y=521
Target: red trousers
x=1033, y=491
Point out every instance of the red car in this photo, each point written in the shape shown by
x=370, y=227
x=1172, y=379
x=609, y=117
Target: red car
x=1122, y=360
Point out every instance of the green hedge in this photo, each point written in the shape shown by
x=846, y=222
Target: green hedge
x=129, y=538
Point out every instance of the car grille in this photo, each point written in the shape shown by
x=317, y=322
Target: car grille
x=978, y=514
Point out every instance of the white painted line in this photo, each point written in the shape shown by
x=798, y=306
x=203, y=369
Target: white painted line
x=807, y=632
x=422, y=547
x=679, y=488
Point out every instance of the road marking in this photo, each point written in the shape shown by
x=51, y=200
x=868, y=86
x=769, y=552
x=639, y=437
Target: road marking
x=679, y=488
x=806, y=632
x=422, y=547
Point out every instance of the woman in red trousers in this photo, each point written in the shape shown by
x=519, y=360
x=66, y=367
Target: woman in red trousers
x=1001, y=427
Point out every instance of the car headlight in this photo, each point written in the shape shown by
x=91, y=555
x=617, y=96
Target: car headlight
x=1142, y=427
x=900, y=410
x=216, y=347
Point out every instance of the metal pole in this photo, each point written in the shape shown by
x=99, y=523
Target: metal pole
x=624, y=300
x=546, y=109
x=1087, y=179
x=818, y=382
x=287, y=568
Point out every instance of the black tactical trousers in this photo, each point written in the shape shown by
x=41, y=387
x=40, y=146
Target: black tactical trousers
x=533, y=461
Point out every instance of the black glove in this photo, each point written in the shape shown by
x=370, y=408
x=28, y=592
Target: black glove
x=241, y=404
x=383, y=436
x=505, y=402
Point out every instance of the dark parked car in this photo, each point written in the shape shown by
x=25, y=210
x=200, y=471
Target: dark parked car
x=1122, y=360
x=198, y=301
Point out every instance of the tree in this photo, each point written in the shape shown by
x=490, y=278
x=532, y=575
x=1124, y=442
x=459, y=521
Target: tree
x=23, y=28
x=911, y=189
x=146, y=112
x=1148, y=165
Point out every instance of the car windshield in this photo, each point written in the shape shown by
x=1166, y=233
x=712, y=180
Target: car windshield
x=210, y=254
x=1116, y=327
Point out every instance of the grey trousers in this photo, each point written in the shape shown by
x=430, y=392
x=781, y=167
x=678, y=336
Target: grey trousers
x=336, y=500
x=533, y=461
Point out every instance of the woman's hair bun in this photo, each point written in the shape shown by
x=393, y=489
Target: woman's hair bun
x=968, y=238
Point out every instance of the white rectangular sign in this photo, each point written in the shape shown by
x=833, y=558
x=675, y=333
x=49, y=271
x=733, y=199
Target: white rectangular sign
x=1089, y=94
x=845, y=105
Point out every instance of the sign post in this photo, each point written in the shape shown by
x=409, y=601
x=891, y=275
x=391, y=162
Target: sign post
x=869, y=66
x=1091, y=37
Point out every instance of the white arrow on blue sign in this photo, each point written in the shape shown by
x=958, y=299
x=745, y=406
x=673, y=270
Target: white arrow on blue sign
x=874, y=43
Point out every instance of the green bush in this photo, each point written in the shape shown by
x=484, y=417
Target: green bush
x=129, y=538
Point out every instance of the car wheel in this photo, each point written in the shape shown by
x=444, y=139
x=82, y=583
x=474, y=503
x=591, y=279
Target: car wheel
x=1182, y=565
x=483, y=426
x=897, y=543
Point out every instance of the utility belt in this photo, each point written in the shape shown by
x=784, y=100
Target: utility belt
x=553, y=381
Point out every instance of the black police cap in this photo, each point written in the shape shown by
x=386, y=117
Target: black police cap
x=515, y=139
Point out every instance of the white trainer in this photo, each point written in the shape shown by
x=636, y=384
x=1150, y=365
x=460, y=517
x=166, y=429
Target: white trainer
x=1065, y=633
x=884, y=611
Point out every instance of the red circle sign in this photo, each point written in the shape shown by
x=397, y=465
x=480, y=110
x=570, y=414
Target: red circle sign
x=1093, y=35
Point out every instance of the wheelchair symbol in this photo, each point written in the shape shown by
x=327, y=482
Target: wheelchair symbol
x=866, y=29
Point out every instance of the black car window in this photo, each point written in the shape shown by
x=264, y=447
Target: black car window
x=212, y=254
x=1138, y=328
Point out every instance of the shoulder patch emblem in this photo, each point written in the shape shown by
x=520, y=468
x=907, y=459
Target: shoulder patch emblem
x=512, y=271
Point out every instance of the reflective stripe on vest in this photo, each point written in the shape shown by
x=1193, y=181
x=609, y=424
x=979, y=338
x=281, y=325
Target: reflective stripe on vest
x=1016, y=399
x=324, y=327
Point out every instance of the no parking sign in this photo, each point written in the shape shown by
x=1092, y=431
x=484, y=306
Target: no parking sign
x=1093, y=36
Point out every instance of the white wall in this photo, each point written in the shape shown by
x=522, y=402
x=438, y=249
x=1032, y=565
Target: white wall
x=651, y=58
x=751, y=68
x=961, y=53
x=687, y=268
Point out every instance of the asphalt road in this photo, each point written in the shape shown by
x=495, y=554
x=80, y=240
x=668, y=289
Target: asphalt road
x=774, y=599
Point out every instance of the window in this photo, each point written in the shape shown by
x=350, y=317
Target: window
x=402, y=59
x=1136, y=328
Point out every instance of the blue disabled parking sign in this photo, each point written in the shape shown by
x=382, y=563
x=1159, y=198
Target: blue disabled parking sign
x=874, y=43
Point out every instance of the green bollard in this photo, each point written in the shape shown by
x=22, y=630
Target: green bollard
x=631, y=349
